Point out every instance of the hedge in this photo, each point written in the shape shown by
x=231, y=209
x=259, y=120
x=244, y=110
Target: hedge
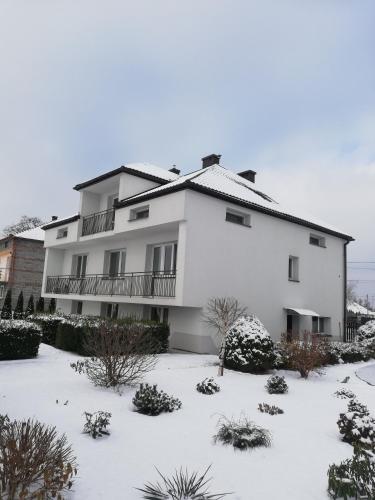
x=48, y=324
x=19, y=339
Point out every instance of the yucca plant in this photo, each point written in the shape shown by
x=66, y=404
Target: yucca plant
x=242, y=434
x=181, y=486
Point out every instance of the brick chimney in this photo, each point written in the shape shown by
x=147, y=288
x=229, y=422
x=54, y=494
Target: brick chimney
x=248, y=175
x=175, y=170
x=210, y=160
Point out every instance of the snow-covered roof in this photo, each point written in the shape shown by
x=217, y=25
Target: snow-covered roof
x=154, y=170
x=61, y=222
x=35, y=233
x=302, y=312
x=220, y=181
x=356, y=308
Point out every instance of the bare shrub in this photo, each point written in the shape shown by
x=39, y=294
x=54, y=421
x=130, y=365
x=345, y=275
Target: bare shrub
x=306, y=354
x=119, y=354
x=97, y=423
x=34, y=461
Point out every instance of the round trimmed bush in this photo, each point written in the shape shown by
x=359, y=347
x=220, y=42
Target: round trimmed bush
x=249, y=347
x=276, y=385
x=19, y=339
x=150, y=401
x=366, y=331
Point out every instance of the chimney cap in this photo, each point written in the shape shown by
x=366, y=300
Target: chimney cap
x=174, y=170
x=212, y=159
x=54, y=217
x=248, y=175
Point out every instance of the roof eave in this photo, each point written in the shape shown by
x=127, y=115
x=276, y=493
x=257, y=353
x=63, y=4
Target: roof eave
x=61, y=222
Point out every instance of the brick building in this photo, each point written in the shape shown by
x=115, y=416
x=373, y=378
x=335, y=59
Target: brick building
x=21, y=264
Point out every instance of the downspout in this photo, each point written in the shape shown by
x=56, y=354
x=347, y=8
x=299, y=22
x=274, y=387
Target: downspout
x=345, y=289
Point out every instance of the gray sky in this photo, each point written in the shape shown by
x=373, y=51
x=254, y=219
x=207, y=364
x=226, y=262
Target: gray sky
x=286, y=88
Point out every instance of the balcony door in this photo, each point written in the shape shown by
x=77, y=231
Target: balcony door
x=116, y=263
x=164, y=258
x=80, y=267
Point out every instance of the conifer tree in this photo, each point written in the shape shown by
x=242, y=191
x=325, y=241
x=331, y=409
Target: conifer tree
x=30, y=306
x=6, y=312
x=52, y=306
x=18, y=311
x=40, y=305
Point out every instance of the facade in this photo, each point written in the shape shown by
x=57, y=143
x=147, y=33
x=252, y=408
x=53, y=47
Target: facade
x=21, y=264
x=151, y=243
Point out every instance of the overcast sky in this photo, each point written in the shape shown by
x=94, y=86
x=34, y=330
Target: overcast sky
x=286, y=88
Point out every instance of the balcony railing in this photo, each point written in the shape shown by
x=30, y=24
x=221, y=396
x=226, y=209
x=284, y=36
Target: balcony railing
x=149, y=284
x=98, y=222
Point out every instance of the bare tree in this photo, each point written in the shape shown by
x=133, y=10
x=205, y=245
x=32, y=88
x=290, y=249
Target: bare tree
x=23, y=224
x=351, y=293
x=221, y=313
x=119, y=354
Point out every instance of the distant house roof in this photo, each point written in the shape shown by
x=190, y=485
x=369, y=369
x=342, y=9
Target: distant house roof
x=35, y=233
x=356, y=308
x=143, y=170
x=224, y=184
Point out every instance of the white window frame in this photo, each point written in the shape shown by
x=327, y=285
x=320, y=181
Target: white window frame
x=321, y=241
x=162, y=247
x=322, y=324
x=121, y=262
x=162, y=312
x=245, y=217
x=293, y=268
x=77, y=271
x=135, y=212
x=62, y=233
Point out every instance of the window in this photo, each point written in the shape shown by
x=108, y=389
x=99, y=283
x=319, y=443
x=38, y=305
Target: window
x=112, y=311
x=2, y=291
x=62, y=233
x=159, y=314
x=164, y=258
x=112, y=200
x=77, y=307
x=237, y=217
x=79, y=265
x=139, y=213
x=319, y=324
x=293, y=268
x=116, y=262
x=317, y=241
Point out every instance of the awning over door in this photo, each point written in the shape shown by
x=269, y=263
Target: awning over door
x=302, y=312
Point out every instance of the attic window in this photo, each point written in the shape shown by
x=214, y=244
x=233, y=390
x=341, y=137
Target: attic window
x=139, y=213
x=62, y=233
x=317, y=241
x=237, y=217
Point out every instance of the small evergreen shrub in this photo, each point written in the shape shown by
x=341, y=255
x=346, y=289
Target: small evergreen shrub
x=6, y=311
x=341, y=352
x=366, y=331
x=182, y=485
x=242, y=434
x=97, y=423
x=353, y=478
x=49, y=324
x=208, y=386
x=30, y=306
x=35, y=463
x=249, y=347
x=150, y=401
x=18, y=311
x=19, y=339
x=276, y=385
x=356, y=426
x=52, y=306
x=40, y=305
x=270, y=409
x=345, y=394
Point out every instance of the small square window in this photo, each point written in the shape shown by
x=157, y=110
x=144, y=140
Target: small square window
x=237, y=217
x=62, y=232
x=317, y=241
x=293, y=271
x=139, y=213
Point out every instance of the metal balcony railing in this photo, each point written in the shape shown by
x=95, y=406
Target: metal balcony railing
x=146, y=284
x=98, y=222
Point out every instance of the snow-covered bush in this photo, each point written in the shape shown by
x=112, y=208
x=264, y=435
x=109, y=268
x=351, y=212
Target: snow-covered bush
x=242, y=434
x=208, y=386
x=306, y=354
x=281, y=356
x=366, y=331
x=34, y=461
x=276, y=385
x=341, y=352
x=270, y=409
x=249, y=347
x=97, y=423
x=150, y=401
x=48, y=324
x=19, y=339
x=345, y=394
x=182, y=485
x=356, y=426
x=353, y=478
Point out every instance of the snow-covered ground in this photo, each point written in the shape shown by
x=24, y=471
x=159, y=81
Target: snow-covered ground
x=305, y=438
x=367, y=373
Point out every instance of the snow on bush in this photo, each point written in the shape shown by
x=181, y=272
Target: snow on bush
x=19, y=339
x=353, y=478
x=49, y=324
x=150, y=401
x=242, y=433
x=249, y=347
x=356, y=426
x=270, y=409
x=97, y=423
x=345, y=394
x=276, y=385
x=366, y=331
x=208, y=386
x=182, y=485
x=341, y=352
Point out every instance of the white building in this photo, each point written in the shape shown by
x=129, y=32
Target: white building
x=151, y=243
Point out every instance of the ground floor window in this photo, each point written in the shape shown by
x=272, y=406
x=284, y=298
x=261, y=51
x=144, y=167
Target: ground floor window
x=159, y=314
x=319, y=324
x=77, y=307
x=111, y=310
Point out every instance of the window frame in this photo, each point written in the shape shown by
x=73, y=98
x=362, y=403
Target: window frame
x=246, y=217
x=62, y=232
x=134, y=213
x=320, y=240
x=293, y=268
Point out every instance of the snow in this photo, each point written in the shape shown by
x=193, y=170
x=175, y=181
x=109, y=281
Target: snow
x=222, y=180
x=305, y=439
x=36, y=233
x=367, y=374
x=356, y=308
x=150, y=169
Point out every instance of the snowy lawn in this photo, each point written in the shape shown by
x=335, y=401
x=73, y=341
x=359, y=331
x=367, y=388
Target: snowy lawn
x=305, y=438
x=367, y=373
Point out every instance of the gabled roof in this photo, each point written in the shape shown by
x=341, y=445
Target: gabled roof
x=143, y=170
x=36, y=234
x=221, y=183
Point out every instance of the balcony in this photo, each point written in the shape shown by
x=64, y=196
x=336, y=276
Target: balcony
x=149, y=284
x=98, y=222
